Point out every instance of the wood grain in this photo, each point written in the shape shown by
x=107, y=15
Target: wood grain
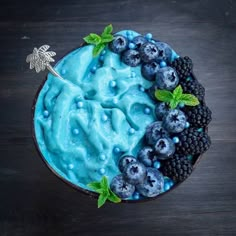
x=33, y=201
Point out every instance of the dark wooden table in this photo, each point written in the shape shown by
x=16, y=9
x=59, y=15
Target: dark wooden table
x=33, y=201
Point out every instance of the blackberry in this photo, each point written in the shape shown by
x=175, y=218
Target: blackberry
x=178, y=168
x=198, y=116
x=193, y=87
x=183, y=67
x=192, y=141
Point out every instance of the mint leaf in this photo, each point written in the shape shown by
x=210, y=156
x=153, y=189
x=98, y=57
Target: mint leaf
x=104, y=183
x=176, y=97
x=189, y=100
x=177, y=93
x=113, y=198
x=102, y=199
x=100, y=41
x=94, y=185
x=174, y=103
x=96, y=38
x=163, y=95
x=108, y=29
x=98, y=49
x=104, y=190
x=93, y=39
x=107, y=38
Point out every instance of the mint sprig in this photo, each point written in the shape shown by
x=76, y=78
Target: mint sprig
x=100, y=41
x=93, y=39
x=104, y=191
x=176, y=97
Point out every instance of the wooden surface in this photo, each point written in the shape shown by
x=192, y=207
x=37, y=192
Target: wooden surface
x=33, y=201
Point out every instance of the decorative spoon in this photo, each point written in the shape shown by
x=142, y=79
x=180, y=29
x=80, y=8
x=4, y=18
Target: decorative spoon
x=40, y=60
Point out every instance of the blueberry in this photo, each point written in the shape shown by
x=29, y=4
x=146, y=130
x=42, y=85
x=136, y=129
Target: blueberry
x=131, y=57
x=153, y=184
x=134, y=173
x=125, y=160
x=148, y=52
x=161, y=109
x=146, y=156
x=149, y=70
x=165, y=52
x=174, y=121
x=167, y=78
x=139, y=41
x=155, y=131
x=121, y=188
x=118, y=44
x=164, y=148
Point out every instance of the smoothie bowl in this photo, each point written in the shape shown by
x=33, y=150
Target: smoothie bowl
x=121, y=118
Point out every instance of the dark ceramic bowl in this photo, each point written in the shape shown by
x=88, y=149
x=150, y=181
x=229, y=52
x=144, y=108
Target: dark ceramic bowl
x=82, y=190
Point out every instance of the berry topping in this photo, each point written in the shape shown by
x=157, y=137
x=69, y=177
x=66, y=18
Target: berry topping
x=125, y=160
x=191, y=142
x=121, y=188
x=166, y=78
x=155, y=131
x=149, y=70
x=131, y=57
x=174, y=121
x=183, y=67
x=161, y=110
x=153, y=183
x=164, y=148
x=193, y=87
x=198, y=116
x=119, y=44
x=165, y=52
x=177, y=168
x=139, y=41
x=146, y=156
x=135, y=173
x=149, y=52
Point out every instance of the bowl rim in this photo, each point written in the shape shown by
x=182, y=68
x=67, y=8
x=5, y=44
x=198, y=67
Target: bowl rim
x=92, y=194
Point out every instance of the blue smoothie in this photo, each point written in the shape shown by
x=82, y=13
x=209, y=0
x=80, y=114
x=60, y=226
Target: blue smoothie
x=99, y=112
